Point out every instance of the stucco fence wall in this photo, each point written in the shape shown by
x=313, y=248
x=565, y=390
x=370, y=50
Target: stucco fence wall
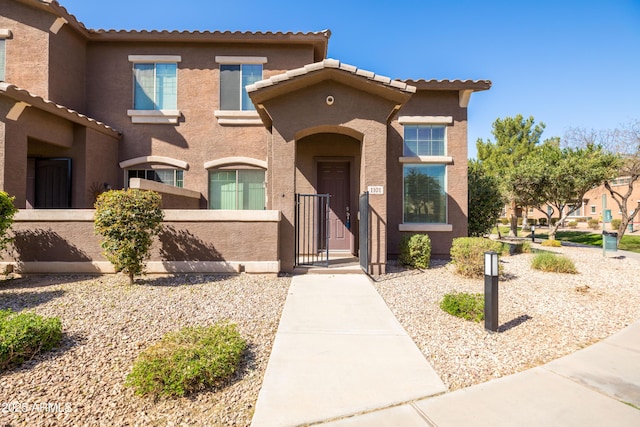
x=192, y=241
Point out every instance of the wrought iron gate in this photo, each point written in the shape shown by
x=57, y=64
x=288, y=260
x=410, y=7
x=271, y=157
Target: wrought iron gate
x=364, y=231
x=311, y=229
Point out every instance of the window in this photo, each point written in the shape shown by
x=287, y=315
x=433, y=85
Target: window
x=2, y=59
x=241, y=189
x=233, y=79
x=156, y=86
x=593, y=209
x=174, y=177
x=424, y=140
x=425, y=197
x=621, y=181
x=577, y=212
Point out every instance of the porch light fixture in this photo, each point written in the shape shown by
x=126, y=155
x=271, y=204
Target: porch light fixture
x=330, y=100
x=491, y=291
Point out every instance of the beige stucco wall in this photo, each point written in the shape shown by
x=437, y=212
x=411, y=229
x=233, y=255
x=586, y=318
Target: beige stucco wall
x=39, y=134
x=198, y=137
x=432, y=103
x=27, y=51
x=306, y=110
x=66, y=239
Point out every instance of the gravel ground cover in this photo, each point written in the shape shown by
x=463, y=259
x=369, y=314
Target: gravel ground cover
x=542, y=316
x=107, y=323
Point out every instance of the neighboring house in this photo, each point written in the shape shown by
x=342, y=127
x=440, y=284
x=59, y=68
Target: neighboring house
x=235, y=124
x=592, y=204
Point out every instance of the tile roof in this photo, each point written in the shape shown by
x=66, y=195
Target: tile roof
x=23, y=95
x=331, y=64
x=433, y=84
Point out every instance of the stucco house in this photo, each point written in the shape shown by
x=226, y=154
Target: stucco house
x=239, y=131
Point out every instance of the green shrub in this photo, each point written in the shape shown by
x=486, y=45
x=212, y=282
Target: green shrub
x=7, y=210
x=549, y=262
x=615, y=223
x=127, y=221
x=581, y=220
x=464, y=305
x=467, y=254
x=23, y=335
x=526, y=247
x=572, y=224
x=542, y=221
x=504, y=221
x=552, y=243
x=415, y=250
x=593, y=223
x=188, y=360
x=554, y=221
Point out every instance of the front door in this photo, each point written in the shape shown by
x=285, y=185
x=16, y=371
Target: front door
x=333, y=179
x=52, y=183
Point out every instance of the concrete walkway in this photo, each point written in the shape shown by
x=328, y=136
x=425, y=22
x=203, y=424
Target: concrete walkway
x=341, y=359
x=339, y=351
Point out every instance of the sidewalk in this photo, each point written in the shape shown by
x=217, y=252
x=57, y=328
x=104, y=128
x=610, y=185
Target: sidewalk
x=340, y=359
x=339, y=351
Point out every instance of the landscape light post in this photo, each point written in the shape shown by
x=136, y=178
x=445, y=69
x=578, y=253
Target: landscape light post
x=491, y=291
x=533, y=234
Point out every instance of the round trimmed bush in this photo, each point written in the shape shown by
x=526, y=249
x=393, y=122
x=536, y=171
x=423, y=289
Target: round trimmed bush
x=549, y=262
x=464, y=305
x=25, y=334
x=188, y=360
x=415, y=250
x=467, y=254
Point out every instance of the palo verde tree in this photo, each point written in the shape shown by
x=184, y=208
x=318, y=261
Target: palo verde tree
x=625, y=142
x=515, y=138
x=7, y=211
x=485, y=200
x=128, y=220
x=560, y=177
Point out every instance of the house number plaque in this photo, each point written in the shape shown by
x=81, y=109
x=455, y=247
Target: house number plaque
x=375, y=189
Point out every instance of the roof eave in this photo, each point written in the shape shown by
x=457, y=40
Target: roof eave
x=473, y=85
x=24, y=96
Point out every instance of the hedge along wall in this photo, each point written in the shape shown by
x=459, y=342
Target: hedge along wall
x=192, y=241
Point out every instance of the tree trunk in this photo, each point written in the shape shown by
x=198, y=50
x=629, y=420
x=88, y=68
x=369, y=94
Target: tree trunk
x=525, y=219
x=131, y=278
x=513, y=232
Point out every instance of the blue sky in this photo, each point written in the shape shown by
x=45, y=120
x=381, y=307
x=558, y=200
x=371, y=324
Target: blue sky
x=568, y=63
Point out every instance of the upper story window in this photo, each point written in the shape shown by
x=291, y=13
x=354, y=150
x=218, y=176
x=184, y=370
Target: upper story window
x=236, y=72
x=233, y=80
x=424, y=140
x=2, y=59
x=155, y=86
x=155, y=89
x=4, y=34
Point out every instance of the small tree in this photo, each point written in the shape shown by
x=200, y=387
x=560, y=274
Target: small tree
x=624, y=141
x=485, y=200
x=7, y=210
x=515, y=138
x=561, y=177
x=127, y=220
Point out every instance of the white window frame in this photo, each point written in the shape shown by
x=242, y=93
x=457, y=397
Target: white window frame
x=159, y=168
x=4, y=35
x=236, y=168
x=435, y=160
x=238, y=117
x=154, y=116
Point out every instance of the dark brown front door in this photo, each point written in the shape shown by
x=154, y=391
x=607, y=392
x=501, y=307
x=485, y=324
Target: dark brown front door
x=333, y=179
x=53, y=183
